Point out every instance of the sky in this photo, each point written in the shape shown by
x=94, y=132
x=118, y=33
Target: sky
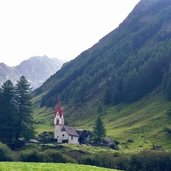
x=56, y=28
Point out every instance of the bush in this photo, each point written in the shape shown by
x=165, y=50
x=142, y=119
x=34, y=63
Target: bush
x=31, y=156
x=45, y=156
x=143, y=161
x=55, y=156
x=108, y=160
x=5, y=153
x=151, y=161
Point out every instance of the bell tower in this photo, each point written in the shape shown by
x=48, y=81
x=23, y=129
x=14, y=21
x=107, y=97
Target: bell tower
x=58, y=122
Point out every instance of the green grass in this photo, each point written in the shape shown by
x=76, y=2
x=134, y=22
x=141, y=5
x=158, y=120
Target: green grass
x=88, y=148
x=19, y=166
x=43, y=118
x=144, y=121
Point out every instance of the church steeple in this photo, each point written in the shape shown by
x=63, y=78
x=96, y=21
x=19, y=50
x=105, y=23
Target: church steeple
x=61, y=132
x=58, y=116
x=58, y=109
x=58, y=120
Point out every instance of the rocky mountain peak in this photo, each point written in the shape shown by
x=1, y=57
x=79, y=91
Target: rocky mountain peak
x=36, y=69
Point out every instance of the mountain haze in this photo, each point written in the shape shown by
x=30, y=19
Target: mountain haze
x=36, y=69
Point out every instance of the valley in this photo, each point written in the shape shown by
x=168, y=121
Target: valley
x=116, y=96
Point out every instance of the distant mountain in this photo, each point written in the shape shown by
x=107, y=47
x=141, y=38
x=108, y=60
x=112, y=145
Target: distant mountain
x=36, y=69
x=7, y=73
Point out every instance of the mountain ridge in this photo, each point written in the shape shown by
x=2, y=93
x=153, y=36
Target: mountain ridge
x=111, y=52
x=36, y=69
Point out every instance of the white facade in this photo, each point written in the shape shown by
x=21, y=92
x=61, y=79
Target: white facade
x=62, y=133
x=63, y=136
x=73, y=140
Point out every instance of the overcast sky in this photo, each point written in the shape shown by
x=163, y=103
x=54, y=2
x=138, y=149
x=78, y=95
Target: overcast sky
x=56, y=28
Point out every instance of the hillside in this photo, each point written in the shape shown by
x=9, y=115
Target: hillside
x=35, y=69
x=140, y=46
x=127, y=73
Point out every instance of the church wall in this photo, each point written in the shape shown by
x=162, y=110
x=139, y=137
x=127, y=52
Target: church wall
x=73, y=140
x=64, y=135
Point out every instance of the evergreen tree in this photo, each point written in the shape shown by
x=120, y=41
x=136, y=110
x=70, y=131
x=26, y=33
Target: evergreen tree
x=24, y=125
x=8, y=112
x=99, y=130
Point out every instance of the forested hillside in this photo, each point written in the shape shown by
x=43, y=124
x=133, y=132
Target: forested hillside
x=125, y=65
x=125, y=77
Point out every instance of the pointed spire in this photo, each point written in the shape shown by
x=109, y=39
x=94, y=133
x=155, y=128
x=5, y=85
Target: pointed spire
x=58, y=109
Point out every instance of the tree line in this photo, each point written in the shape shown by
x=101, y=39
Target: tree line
x=16, y=121
x=141, y=74
x=125, y=65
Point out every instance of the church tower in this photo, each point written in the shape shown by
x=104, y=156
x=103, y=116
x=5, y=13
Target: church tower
x=58, y=122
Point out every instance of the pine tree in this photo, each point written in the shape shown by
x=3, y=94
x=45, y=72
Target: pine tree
x=8, y=112
x=99, y=130
x=24, y=126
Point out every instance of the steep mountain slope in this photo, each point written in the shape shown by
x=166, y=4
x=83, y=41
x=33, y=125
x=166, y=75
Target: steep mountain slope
x=135, y=46
x=36, y=70
x=129, y=68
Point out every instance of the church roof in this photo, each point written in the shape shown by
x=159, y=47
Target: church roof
x=58, y=109
x=71, y=131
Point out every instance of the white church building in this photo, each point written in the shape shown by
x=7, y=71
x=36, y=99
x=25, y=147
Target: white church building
x=62, y=133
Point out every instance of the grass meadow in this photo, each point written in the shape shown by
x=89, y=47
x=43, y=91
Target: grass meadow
x=21, y=166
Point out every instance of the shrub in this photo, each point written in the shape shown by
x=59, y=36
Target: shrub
x=31, y=156
x=5, y=153
x=151, y=161
x=56, y=156
x=143, y=161
x=45, y=156
x=108, y=160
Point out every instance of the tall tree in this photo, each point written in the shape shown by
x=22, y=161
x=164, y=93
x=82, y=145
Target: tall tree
x=99, y=130
x=24, y=125
x=8, y=112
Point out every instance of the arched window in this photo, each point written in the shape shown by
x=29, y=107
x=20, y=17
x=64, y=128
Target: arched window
x=57, y=122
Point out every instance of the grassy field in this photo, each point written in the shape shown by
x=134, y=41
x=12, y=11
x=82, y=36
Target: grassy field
x=19, y=166
x=143, y=121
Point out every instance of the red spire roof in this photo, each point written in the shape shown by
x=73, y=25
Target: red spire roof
x=58, y=109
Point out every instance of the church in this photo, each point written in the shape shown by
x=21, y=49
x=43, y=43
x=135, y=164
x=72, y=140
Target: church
x=62, y=133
